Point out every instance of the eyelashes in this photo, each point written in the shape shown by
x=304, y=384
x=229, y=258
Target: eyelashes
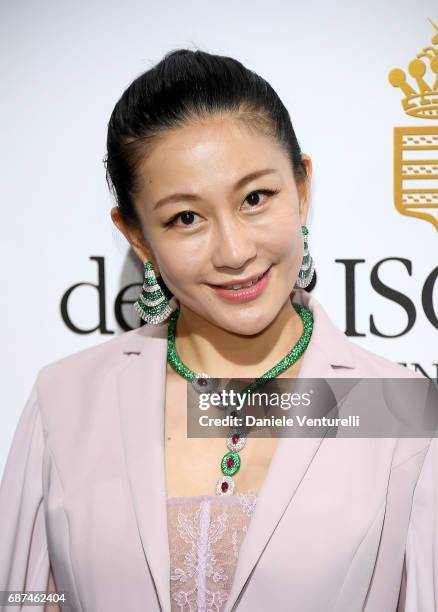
x=266, y=192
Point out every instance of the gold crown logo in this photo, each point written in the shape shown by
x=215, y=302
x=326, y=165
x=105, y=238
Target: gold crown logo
x=422, y=101
x=416, y=148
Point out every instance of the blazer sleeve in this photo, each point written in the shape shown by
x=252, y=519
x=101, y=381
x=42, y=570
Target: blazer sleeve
x=421, y=555
x=24, y=559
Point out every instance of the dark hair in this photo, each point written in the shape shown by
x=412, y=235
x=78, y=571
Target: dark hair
x=187, y=85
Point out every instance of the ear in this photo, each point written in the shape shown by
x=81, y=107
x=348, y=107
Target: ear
x=134, y=236
x=304, y=189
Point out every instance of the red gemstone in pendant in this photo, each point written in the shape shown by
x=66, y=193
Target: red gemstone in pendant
x=224, y=486
x=235, y=438
x=201, y=381
x=230, y=462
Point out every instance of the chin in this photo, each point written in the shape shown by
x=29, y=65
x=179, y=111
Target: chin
x=246, y=324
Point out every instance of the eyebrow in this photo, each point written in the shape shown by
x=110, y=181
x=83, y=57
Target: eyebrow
x=176, y=197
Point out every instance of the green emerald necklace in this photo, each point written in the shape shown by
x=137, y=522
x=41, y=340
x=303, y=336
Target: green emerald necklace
x=230, y=462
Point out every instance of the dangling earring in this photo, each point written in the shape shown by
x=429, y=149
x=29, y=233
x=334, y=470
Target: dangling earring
x=307, y=265
x=152, y=305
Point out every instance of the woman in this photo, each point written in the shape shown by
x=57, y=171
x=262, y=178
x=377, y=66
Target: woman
x=106, y=497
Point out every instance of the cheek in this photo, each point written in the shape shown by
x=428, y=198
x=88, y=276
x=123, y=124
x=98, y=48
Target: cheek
x=282, y=245
x=280, y=231
x=182, y=266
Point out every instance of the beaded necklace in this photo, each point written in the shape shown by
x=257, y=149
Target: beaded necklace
x=230, y=462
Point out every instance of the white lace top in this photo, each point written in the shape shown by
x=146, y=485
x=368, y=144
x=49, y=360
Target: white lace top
x=205, y=534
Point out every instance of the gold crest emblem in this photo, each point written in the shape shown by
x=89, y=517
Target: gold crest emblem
x=416, y=148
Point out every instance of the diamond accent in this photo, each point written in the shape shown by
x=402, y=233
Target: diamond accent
x=203, y=383
x=230, y=483
x=236, y=447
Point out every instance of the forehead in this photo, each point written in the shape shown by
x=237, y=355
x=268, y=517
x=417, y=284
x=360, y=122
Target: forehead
x=208, y=152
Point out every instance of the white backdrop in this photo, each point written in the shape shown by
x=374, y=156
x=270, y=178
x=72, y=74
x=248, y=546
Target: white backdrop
x=63, y=68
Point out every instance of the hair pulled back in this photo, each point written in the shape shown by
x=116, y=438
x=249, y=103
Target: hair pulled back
x=188, y=85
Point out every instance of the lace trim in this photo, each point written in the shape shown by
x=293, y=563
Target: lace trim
x=205, y=534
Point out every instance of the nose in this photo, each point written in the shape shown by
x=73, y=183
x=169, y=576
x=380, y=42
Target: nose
x=233, y=245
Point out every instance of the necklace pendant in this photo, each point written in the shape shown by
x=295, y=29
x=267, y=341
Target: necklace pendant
x=236, y=442
x=203, y=383
x=230, y=463
x=225, y=485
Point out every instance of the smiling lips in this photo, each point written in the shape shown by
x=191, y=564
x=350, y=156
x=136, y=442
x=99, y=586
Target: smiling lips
x=243, y=292
x=245, y=282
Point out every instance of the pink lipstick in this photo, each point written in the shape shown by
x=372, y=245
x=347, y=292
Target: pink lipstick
x=244, y=294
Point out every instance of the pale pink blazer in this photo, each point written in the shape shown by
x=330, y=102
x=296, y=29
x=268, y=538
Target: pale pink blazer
x=341, y=525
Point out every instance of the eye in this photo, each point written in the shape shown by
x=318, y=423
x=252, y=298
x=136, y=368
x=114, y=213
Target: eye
x=256, y=202
x=186, y=218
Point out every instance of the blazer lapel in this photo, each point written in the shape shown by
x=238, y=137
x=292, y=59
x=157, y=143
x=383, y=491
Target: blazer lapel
x=141, y=398
x=141, y=386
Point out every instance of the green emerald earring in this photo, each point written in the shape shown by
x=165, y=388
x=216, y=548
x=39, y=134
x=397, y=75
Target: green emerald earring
x=152, y=305
x=307, y=268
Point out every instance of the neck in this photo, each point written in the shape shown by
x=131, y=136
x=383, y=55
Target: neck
x=204, y=347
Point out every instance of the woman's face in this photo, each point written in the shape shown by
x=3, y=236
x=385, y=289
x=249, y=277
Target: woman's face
x=219, y=204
